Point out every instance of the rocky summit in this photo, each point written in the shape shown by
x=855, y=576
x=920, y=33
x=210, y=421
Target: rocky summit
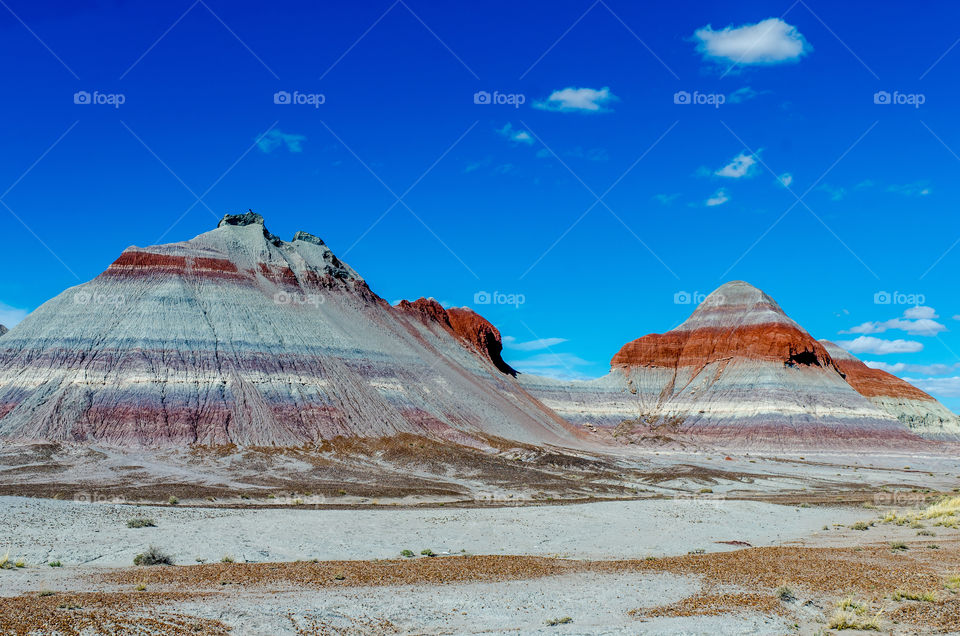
x=740, y=373
x=239, y=337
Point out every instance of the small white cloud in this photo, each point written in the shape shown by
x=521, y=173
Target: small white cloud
x=878, y=346
x=765, y=43
x=785, y=179
x=10, y=316
x=906, y=367
x=514, y=135
x=918, y=312
x=476, y=165
x=836, y=193
x=719, y=198
x=918, y=189
x=553, y=365
x=510, y=342
x=916, y=321
x=743, y=94
x=543, y=153
x=743, y=165
x=582, y=100
x=666, y=199
x=938, y=387
x=277, y=138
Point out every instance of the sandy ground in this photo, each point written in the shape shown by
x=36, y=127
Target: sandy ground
x=96, y=534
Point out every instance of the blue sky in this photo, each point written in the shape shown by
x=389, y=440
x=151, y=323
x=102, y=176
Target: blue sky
x=629, y=158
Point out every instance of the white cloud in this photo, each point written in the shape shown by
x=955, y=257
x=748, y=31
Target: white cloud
x=938, y=387
x=719, y=198
x=583, y=100
x=743, y=94
x=666, y=199
x=9, y=316
x=918, y=189
x=510, y=342
x=743, y=165
x=552, y=365
x=878, y=346
x=277, y=138
x=836, y=193
x=514, y=135
x=906, y=367
x=918, y=312
x=785, y=179
x=916, y=321
x=771, y=41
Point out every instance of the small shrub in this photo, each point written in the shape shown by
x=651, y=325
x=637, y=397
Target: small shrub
x=927, y=597
x=553, y=622
x=153, y=556
x=20, y=564
x=926, y=533
x=705, y=491
x=173, y=501
x=860, y=525
x=141, y=522
x=898, y=546
x=142, y=587
x=849, y=620
x=933, y=546
x=952, y=582
x=785, y=594
x=341, y=492
x=339, y=577
x=406, y=553
x=226, y=559
x=55, y=564
x=46, y=593
x=5, y=562
x=428, y=552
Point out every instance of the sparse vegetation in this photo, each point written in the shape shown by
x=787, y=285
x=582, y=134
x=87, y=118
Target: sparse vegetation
x=5, y=562
x=173, y=501
x=785, y=594
x=902, y=595
x=141, y=522
x=142, y=587
x=860, y=525
x=926, y=533
x=227, y=559
x=705, y=491
x=898, y=546
x=20, y=564
x=428, y=552
x=339, y=577
x=952, y=583
x=44, y=593
x=945, y=512
x=852, y=614
x=55, y=564
x=406, y=553
x=153, y=556
x=553, y=622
